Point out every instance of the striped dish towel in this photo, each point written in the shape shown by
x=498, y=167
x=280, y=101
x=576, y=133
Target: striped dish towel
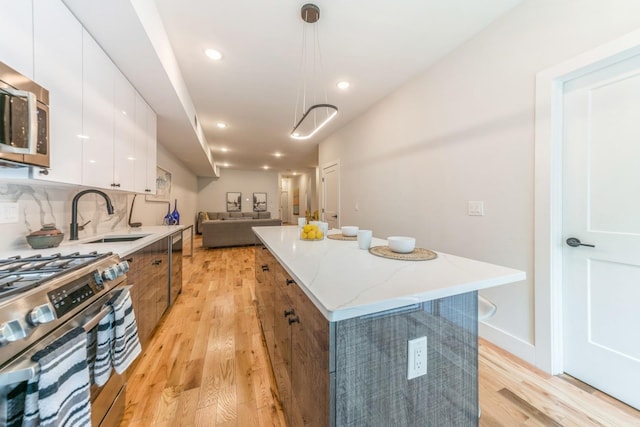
x=125, y=344
x=59, y=394
x=99, y=350
x=12, y=405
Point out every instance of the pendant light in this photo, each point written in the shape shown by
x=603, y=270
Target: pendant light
x=309, y=120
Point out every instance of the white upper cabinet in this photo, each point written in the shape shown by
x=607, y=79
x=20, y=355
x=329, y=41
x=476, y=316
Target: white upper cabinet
x=16, y=35
x=102, y=133
x=152, y=150
x=58, y=68
x=141, y=146
x=124, y=150
x=98, y=115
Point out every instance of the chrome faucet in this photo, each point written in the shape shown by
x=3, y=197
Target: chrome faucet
x=74, y=210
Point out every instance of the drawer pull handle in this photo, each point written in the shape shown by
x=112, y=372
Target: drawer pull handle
x=289, y=312
x=156, y=262
x=290, y=281
x=294, y=320
x=265, y=267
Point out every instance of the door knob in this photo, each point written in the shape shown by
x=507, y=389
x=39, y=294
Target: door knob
x=574, y=243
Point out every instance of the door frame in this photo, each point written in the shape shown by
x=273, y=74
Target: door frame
x=548, y=192
x=322, y=187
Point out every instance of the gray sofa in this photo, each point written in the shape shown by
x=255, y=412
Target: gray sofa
x=220, y=229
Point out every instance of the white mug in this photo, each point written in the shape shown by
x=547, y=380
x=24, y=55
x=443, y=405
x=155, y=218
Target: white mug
x=364, y=239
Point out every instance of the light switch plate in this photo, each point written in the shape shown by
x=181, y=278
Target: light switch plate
x=475, y=208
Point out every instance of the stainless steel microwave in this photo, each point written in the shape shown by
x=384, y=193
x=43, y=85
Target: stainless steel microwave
x=24, y=119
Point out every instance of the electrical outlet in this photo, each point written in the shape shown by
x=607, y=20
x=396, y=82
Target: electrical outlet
x=417, y=360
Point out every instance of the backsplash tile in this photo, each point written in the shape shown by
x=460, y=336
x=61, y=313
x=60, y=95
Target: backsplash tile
x=46, y=204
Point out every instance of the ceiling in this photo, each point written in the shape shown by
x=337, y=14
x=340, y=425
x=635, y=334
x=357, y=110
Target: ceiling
x=376, y=45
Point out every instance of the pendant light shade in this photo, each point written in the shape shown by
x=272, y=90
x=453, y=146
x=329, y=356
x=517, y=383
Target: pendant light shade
x=312, y=109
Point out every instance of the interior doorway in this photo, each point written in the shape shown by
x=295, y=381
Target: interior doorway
x=331, y=194
x=586, y=130
x=284, y=207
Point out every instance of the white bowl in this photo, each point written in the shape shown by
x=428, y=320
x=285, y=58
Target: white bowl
x=401, y=244
x=349, y=230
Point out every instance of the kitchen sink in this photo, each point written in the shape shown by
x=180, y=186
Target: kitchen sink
x=113, y=239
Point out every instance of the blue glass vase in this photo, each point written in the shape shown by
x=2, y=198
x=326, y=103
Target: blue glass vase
x=175, y=215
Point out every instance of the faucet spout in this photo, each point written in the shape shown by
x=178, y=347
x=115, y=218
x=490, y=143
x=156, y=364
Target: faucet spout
x=74, y=210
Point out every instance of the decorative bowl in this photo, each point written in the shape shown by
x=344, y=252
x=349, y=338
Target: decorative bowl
x=401, y=244
x=47, y=237
x=349, y=230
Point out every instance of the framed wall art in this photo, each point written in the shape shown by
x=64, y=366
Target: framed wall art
x=259, y=202
x=163, y=187
x=234, y=202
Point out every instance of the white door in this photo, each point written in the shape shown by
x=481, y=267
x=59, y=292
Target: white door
x=601, y=207
x=331, y=195
x=284, y=206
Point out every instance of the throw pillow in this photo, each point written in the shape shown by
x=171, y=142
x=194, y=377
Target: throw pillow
x=264, y=215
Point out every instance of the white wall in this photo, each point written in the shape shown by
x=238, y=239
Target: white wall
x=464, y=130
x=212, y=192
x=184, y=186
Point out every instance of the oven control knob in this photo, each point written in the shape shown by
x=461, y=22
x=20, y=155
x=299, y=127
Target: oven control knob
x=124, y=266
x=111, y=273
x=11, y=331
x=42, y=314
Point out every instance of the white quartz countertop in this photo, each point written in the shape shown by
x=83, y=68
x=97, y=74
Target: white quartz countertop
x=344, y=281
x=151, y=234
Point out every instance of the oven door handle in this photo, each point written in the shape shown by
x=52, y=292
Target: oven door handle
x=26, y=369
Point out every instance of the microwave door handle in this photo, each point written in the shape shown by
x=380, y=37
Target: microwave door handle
x=32, y=107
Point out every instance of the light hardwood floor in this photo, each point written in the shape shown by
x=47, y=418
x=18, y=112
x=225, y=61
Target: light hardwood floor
x=207, y=365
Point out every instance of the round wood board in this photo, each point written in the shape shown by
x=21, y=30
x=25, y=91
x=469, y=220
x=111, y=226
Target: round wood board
x=418, y=254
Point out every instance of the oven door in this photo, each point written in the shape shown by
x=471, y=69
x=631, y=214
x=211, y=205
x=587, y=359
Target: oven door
x=107, y=402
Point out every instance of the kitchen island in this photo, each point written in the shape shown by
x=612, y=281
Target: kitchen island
x=337, y=321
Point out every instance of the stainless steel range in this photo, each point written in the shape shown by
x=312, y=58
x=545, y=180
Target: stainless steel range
x=44, y=297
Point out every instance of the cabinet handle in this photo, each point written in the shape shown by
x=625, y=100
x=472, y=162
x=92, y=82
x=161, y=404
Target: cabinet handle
x=129, y=260
x=115, y=185
x=289, y=312
x=147, y=190
x=43, y=171
x=290, y=281
x=293, y=320
x=156, y=262
x=264, y=248
x=265, y=267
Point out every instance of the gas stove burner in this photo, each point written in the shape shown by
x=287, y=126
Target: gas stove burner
x=18, y=274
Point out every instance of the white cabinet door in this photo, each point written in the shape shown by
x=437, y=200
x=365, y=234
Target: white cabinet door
x=16, y=35
x=125, y=160
x=98, y=115
x=141, y=146
x=58, y=67
x=146, y=149
x=152, y=150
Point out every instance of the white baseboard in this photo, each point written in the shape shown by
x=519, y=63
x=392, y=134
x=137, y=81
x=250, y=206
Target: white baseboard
x=508, y=342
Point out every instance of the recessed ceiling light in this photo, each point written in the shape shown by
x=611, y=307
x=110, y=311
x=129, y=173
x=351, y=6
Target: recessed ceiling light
x=214, y=54
x=224, y=149
x=278, y=154
x=225, y=164
x=221, y=125
x=295, y=173
x=265, y=167
x=343, y=85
